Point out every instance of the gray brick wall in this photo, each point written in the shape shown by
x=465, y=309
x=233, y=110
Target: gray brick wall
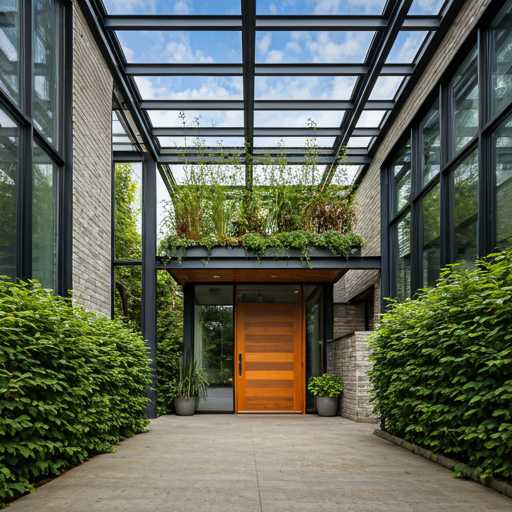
x=348, y=357
x=92, y=135
x=367, y=198
x=348, y=318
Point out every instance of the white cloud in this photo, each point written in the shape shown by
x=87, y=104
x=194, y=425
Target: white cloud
x=323, y=49
x=128, y=53
x=275, y=56
x=337, y=6
x=293, y=47
x=272, y=8
x=264, y=43
x=370, y=118
x=410, y=47
x=386, y=87
x=181, y=51
x=129, y=6
x=181, y=8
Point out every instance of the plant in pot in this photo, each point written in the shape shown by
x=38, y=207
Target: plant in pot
x=192, y=386
x=327, y=389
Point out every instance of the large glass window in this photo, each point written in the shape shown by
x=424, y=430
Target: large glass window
x=402, y=175
x=465, y=178
x=401, y=237
x=44, y=219
x=9, y=48
x=46, y=51
x=502, y=139
x=431, y=143
x=8, y=192
x=501, y=35
x=464, y=87
x=214, y=346
x=431, y=260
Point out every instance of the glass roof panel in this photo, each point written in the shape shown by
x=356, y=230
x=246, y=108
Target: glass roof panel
x=406, y=47
x=359, y=142
x=181, y=47
x=319, y=7
x=302, y=47
x=291, y=142
x=303, y=87
x=190, y=87
x=117, y=127
x=426, y=7
x=297, y=118
x=205, y=118
x=386, y=87
x=233, y=175
x=198, y=142
x=370, y=118
x=345, y=174
x=173, y=6
x=288, y=174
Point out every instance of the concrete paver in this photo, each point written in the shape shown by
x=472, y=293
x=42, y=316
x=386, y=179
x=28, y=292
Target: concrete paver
x=260, y=463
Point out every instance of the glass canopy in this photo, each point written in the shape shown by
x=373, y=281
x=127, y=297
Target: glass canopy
x=260, y=77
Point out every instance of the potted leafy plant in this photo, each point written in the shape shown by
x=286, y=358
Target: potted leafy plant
x=327, y=389
x=193, y=384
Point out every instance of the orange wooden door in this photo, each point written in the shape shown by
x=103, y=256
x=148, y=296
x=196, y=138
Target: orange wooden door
x=269, y=360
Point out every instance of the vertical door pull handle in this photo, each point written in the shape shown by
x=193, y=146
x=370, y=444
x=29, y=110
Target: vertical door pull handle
x=240, y=364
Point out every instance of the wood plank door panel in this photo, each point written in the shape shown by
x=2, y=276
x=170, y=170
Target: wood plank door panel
x=269, y=339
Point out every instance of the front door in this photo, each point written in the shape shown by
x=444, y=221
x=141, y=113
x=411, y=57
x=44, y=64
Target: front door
x=269, y=357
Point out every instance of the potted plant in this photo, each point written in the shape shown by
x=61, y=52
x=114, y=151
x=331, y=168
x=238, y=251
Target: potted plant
x=327, y=389
x=193, y=385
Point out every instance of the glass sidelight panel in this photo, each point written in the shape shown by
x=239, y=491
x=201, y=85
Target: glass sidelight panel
x=466, y=211
x=431, y=143
x=401, y=243
x=44, y=219
x=9, y=137
x=402, y=176
x=314, y=338
x=214, y=344
x=431, y=209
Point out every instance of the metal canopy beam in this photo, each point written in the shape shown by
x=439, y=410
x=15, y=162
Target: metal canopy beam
x=265, y=69
x=249, y=60
x=379, y=51
x=261, y=105
x=257, y=159
x=271, y=23
x=260, y=132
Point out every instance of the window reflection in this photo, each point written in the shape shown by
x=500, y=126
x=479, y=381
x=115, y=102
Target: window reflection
x=502, y=139
x=44, y=219
x=402, y=174
x=464, y=87
x=431, y=210
x=431, y=143
x=465, y=179
x=401, y=234
x=8, y=191
x=9, y=48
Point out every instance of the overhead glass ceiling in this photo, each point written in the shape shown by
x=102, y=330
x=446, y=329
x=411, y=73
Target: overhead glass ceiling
x=258, y=74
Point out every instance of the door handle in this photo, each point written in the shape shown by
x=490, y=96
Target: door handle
x=240, y=365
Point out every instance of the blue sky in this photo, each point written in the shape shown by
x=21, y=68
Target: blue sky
x=271, y=47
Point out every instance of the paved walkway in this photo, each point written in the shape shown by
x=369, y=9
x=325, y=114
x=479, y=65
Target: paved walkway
x=260, y=463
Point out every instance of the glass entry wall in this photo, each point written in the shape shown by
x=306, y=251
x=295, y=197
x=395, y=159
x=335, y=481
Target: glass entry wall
x=214, y=344
x=314, y=338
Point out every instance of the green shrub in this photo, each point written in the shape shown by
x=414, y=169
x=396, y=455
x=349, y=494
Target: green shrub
x=72, y=385
x=442, y=372
x=325, y=385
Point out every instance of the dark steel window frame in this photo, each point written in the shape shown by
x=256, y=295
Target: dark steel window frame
x=449, y=162
x=23, y=114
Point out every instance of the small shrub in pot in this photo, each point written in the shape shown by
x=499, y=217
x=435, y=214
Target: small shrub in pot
x=326, y=388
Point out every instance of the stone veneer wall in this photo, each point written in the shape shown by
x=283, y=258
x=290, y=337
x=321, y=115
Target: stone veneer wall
x=92, y=164
x=348, y=357
x=367, y=198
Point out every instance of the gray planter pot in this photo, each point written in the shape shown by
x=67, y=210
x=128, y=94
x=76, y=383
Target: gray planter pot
x=185, y=406
x=326, y=405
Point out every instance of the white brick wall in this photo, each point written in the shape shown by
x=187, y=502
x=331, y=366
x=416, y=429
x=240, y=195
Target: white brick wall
x=92, y=135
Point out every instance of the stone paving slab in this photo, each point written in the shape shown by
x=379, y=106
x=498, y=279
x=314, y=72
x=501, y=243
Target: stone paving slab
x=260, y=463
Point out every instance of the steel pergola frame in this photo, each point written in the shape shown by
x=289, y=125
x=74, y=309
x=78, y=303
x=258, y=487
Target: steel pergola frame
x=395, y=18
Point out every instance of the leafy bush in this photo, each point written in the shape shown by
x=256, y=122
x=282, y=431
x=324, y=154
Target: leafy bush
x=325, y=385
x=442, y=372
x=71, y=385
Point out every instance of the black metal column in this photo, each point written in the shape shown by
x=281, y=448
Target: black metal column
x=188, y=322
x=149, y=230
x=328, y=291
x=385, y=272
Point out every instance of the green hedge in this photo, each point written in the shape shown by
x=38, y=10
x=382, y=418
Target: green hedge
x=72, y=385
x=442, y=371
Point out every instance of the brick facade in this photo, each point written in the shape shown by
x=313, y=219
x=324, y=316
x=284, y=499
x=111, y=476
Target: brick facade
x=92, y=136
x=348, y=357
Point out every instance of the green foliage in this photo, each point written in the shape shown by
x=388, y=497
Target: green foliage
x=442, y=372
x=71, y=385
x=325, y=385
x=193, y=380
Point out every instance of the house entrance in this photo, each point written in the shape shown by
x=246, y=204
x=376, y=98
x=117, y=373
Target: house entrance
x=269, y=349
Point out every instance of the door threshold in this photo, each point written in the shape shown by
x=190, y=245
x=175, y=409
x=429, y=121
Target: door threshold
x=270, y=412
